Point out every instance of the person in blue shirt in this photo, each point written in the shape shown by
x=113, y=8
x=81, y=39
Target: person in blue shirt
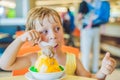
x=93, y=14
x=69, y=26
x=72, y=25
x=68, y=22
x=103, y=12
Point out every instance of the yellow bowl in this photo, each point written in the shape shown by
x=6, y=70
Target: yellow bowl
x=46, y=76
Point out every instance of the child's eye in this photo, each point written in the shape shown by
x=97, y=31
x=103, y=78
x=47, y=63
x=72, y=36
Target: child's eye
x=45, y=31
x=57, y=29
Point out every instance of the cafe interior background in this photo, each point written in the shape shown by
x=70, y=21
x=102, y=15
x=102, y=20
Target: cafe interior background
x=13, y=16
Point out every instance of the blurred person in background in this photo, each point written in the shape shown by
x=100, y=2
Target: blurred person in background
x=44, y=25
x=69, y=25
x=93, y=13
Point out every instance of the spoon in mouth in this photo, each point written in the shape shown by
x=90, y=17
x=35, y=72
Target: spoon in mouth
x=47, y=49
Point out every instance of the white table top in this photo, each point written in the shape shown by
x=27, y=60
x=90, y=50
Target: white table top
x=66, y=78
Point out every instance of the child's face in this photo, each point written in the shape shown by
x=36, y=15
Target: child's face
x=50, y=31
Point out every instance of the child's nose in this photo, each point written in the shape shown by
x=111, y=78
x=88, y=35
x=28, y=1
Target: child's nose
x=52, y=36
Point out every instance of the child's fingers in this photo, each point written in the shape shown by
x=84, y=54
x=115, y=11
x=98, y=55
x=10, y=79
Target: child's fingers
x=109, y=68
x=37, y=35
x=110, y=62
x=105, y=71
x=34, y=34
x=37, y=41
x=107, y=56
x=108, y=65
x=31, y=36
x=113, y=62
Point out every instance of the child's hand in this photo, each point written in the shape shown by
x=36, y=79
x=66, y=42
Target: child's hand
x=108, y=64
x=31, y=35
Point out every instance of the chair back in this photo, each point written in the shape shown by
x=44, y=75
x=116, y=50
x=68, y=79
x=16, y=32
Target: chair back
x=27, y=48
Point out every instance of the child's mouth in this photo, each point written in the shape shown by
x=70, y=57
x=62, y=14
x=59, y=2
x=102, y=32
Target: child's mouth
x=55, y=46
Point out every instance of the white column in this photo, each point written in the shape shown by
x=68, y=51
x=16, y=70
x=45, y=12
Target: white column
x=22, y=7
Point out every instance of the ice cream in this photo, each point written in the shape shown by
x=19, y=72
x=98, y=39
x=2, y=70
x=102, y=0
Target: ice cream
x=46, y=64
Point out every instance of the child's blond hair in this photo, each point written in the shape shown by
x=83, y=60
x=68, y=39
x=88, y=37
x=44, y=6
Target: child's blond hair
x=39, y=13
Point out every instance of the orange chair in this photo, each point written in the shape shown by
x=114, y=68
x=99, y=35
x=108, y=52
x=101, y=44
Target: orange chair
x=25, y=49
x=18, y=33
x=76, y=32
x=28, y=47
